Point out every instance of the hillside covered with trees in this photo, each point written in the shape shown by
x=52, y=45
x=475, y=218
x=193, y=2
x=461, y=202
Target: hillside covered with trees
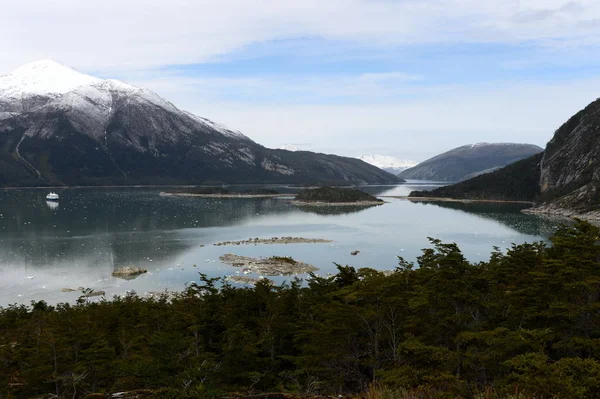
x=470, y=160
x=516, y=182
x=524, y=324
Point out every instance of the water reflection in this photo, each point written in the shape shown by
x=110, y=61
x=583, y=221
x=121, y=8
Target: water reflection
x=334, y=210
x=52, y=205
x=91, y=212
x=507, y=214
x=402, y=190
x=94, y=231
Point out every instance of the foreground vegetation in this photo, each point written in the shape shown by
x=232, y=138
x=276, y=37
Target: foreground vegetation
x=524, y=324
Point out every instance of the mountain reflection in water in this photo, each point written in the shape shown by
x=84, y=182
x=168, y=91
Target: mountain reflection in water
x=507, y=214
x=96, y=230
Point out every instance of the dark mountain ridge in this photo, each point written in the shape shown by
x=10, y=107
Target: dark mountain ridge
x=470, y=160
x=56, y=131
x=515, y=182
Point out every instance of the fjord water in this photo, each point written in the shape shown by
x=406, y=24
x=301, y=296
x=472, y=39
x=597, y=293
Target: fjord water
x=45, y=247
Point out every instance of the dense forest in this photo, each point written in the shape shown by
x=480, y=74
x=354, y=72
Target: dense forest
x=516, y=182
x=524, y=324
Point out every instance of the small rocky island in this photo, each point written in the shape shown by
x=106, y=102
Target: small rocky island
x=335, y=196
x=273, y=266
x=129, y=272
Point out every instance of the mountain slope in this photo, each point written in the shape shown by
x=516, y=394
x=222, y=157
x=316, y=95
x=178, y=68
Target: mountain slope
x=457, y=164
x=570, y=168
x=60, y=127
x=563, y=180
x=515, y=182
x=387, y=163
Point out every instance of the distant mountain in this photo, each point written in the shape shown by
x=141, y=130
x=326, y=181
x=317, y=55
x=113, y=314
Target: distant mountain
x=61, y=127
x=389, y=164
x=469, y=160
x=563, y=180
x=516, y=182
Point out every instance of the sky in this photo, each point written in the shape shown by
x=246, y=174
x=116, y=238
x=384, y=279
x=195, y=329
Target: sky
x=405, y=78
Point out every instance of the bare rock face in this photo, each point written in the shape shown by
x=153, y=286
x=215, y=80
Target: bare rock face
x=570, y=167
x=572, y=156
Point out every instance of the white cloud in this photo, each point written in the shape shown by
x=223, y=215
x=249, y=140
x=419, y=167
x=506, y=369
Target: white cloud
x=97, y=35
x=413, y=129
x=372, y=87
x=134, y=38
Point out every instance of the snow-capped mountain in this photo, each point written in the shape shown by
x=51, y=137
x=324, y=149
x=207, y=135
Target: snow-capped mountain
x=45, y=78
x=387, y=163
x=59, y=126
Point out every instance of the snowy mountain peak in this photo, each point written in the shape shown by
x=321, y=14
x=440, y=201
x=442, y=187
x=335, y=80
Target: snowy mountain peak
x=384, y=161
x=49, y=84
x=45, y=77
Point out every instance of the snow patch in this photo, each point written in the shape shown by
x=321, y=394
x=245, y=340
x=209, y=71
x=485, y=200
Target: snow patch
x=214, y=148
x=269, y=165
x=485, y=144
x=385, y=162
x=289, y=147
x=44, y=77
x=49, y=83
x=246, y=155
x=224, y=130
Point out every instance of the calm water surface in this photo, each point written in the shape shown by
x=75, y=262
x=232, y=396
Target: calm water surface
x=92, y=231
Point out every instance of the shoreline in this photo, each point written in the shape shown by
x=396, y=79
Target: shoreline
x=592, y=217
x=166, y=194
x=108, y=186
x=286, y=185
x=320, y=203
x=465, y=200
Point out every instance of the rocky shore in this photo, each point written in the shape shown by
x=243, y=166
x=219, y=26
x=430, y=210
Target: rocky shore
x=463, y=200
x=550, y=210
x=274, y=240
